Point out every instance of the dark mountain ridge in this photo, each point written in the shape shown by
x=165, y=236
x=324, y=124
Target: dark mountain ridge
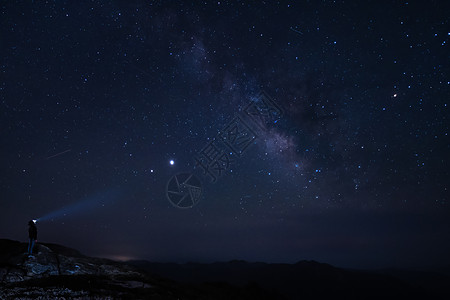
x=308, y=279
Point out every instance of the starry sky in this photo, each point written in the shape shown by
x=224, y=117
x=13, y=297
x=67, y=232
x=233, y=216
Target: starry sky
x=103, y=102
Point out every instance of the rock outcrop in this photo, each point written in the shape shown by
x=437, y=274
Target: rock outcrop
x=50, y=274
x=57, y=272
x=17, y=266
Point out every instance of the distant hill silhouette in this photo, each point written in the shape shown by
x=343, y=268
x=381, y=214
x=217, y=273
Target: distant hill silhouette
x=57, y=271
x=307, y=279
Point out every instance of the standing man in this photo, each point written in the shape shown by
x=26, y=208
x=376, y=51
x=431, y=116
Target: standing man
x=32, y=235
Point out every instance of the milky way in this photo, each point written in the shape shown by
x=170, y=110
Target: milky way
x=105, y=95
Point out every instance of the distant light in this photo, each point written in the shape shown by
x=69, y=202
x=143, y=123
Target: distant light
x=151, y=171
x=171, y=162
x=34, y=221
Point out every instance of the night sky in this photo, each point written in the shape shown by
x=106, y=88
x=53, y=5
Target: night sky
x=347, y=163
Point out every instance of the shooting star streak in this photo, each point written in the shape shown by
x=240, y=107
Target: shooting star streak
x=58, y=154
x=296, y=31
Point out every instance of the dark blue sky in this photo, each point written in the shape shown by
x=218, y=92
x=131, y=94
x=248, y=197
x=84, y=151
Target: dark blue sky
x=97, y=97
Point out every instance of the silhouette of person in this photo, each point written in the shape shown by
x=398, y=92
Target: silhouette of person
x=32, y=235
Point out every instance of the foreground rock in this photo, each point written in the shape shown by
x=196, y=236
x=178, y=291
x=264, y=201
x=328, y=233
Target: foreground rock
x=56, y=272
x=17, y=266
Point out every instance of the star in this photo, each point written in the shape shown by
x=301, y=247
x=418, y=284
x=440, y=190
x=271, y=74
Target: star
x=360, y=129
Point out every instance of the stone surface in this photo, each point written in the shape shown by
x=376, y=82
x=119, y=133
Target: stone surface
x=17, y=266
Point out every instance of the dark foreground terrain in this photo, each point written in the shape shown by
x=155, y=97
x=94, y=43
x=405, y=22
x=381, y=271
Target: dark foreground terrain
x=57, y=272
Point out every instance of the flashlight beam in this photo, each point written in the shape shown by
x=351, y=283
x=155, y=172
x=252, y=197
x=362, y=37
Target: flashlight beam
x=85, y=205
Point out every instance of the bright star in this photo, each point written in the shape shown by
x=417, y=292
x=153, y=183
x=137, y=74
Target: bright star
x=171, y=162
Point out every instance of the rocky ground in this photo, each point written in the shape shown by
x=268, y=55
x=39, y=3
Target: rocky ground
x=56, y=272
x=51, y=274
